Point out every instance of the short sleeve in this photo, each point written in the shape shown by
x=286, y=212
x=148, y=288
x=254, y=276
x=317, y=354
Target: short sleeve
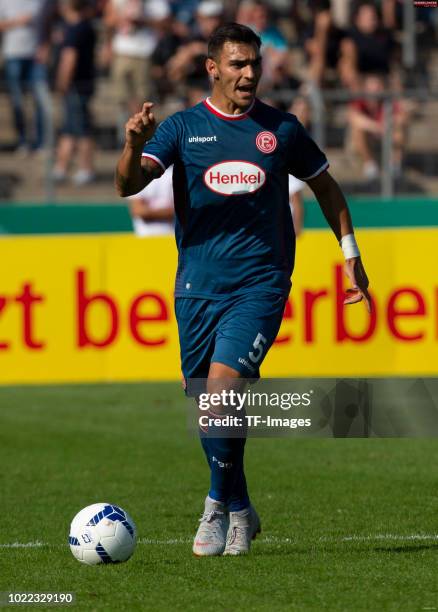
x=305, y=158
x=163, y=147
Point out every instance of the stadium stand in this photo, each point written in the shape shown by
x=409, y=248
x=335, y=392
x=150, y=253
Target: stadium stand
x=28, y=177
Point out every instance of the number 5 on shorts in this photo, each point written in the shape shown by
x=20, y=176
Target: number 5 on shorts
x=258, y=345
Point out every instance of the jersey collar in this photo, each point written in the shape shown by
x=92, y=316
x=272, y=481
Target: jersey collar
x=213, y=109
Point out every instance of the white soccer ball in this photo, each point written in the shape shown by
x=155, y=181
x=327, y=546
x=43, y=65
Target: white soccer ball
x=102, y=533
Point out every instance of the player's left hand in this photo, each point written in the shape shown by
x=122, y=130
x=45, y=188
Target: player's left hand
x=359, y=290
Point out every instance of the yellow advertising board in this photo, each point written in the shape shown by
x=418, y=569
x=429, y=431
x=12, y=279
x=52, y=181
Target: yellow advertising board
x=100, y=308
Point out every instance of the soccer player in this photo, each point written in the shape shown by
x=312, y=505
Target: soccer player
x=232, y=155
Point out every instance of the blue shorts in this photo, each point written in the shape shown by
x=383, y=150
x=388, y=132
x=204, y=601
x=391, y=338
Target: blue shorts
x=236, y=331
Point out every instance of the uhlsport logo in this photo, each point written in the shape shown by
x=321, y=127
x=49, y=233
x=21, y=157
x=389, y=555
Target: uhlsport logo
x=234, y=177
x=266, y=142
x=202, y=139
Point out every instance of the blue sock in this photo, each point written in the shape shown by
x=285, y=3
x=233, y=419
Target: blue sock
x=227, y=478
x=204, y=442
x=225, y=464
x=239, y=498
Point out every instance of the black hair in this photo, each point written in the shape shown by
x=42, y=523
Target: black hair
x=320, y=5
x=358, y=5
x=79, y=5
x=231, y=32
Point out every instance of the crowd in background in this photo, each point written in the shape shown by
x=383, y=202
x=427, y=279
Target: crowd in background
x=155, y=49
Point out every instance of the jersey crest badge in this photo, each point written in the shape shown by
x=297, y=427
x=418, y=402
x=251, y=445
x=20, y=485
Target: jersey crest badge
x=266, y=142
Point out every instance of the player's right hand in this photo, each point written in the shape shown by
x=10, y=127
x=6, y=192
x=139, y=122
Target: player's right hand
x=140, y=127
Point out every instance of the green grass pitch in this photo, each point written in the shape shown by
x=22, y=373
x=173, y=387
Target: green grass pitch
x=347, y=524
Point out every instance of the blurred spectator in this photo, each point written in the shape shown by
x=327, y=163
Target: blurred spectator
x=368, y=48
x=296, y=203
x=195, y=93
x=48, y=16
x=256, y=15
x=51, y=28
x=301, y=108
x=131, y=39
x=75, y=81
x=169, y=40
x=184, y=12
x=322, y=42
x=19, y=44
x=98, y=8
x=152, y=209
x=189, y=60
x=343, y=10
x=340, y=10
x=366, y=117
x=389, y=13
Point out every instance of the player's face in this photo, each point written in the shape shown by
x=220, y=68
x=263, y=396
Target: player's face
x=237, y=72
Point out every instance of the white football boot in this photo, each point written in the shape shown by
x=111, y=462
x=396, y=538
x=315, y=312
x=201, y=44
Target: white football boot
x=212, y=532
x=244, y=527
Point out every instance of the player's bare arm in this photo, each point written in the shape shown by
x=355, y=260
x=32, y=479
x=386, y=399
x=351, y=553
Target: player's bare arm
x=133, y=172
x=335, y=210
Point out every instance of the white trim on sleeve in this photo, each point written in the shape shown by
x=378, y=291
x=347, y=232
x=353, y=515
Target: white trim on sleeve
x=315, y=174
x=156, y=159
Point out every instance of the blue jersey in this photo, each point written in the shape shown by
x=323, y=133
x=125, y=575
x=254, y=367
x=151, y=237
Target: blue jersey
x=234, y=228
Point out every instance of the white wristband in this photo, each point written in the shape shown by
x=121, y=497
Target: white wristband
x=349, y=246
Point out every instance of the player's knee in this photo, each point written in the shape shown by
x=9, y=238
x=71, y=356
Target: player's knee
x=221, y=390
